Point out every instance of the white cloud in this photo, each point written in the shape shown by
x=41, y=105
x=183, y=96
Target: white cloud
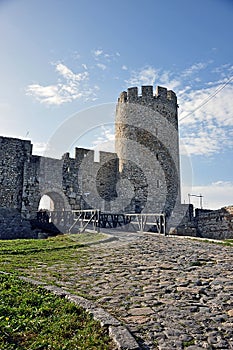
x=50, y=95
x=194, y=68
x=39, y=148
x=224, y=70
x=151, y=76
x=105, y=57
x=98, y=52
x=101, y=66
x=215, y=195
x=145, y=76
x=69, y=75
x=74, y=86
x=207, y=129
x=165, y=79
x=109, y=134
x=104, y=142
x=124, y=67
x=106, y=134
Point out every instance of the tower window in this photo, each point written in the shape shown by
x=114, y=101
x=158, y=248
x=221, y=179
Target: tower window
x=157, y=183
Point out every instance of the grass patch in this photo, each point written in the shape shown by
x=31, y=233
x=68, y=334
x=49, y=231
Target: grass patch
x=188, y=343
x=23, y=255
x=24, y=246
x=226, y=242
x=53, y=260
x=32, y=318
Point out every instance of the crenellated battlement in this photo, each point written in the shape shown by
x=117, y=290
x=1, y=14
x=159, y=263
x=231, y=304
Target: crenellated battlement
x=147, y=94
x=13, y=144
x=162, y=101
x=81, y=153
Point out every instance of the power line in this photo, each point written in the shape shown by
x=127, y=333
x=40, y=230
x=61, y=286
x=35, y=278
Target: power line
x=207, y=99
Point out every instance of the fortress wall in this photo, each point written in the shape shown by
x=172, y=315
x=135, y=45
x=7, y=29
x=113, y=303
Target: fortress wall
x=107, y=177
x=13, y=154
x=98, y=180
x=31, y=187
x=207, y=223
x=217, y=224
x=12, y=225
x=73, y=177
x=42, y=176
x=70, y=183
x=143, y=176
x=87, y=183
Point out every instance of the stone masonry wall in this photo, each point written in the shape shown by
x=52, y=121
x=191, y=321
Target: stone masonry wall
x=43, y=176
x=14, y=153
x=13, y=226
x=97, y=179
x=148, y=148
x=216, y=224
x=71, y=183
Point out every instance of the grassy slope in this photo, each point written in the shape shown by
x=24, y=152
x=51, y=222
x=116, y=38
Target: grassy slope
x=32, y=318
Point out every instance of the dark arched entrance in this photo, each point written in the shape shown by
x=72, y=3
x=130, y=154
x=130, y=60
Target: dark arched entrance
x=54, y=209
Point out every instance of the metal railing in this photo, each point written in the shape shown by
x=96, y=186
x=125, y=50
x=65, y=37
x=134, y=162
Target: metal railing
x=85, y=218
x=81, y=220
x=141, y=221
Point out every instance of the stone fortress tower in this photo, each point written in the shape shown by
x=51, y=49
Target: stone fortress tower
x=147, y=145
x=143, y=176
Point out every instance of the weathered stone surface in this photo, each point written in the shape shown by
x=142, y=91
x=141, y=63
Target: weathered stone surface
x=147, y=147
x=141, y=311
x=230, y=312
x=105, y=318
x=174, y=308
x=123, y=338
x=13, y=226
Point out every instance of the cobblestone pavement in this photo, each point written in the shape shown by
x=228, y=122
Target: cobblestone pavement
x=171, y=292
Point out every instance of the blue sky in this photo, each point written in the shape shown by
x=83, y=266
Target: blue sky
x=60, y=58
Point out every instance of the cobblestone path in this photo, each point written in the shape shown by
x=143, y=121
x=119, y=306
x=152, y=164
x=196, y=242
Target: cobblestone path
x=171, y=292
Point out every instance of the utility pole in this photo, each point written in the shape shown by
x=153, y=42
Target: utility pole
x=199, y=196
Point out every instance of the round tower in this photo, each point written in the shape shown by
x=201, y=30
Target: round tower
x=147, y=144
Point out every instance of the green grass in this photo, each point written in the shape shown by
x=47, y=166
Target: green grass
x=32, y=318
x=23, y=255
x=35, y=245
x=226, y=242
x=188, y=343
